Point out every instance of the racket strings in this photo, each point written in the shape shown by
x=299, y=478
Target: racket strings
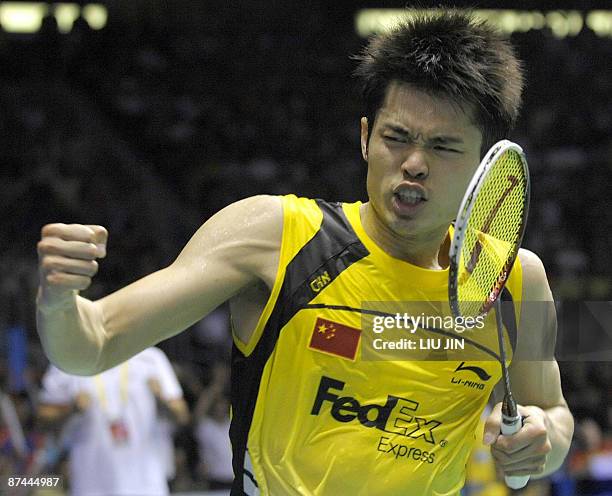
x=492, y=233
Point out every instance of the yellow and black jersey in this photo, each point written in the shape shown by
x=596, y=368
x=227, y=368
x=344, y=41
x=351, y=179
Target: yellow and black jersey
x=312, y=414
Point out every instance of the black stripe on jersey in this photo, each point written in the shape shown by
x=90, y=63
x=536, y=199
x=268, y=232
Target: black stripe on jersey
x=509, y=317
x=333, y=249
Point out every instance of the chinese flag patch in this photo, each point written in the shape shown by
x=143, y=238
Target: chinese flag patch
x=334, y=338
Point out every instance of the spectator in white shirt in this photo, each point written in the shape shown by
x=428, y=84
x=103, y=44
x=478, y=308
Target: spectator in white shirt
x=115, y=447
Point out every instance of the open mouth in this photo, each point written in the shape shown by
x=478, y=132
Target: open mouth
x=409, y=197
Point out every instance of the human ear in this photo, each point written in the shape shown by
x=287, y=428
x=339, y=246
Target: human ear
x=364, y=138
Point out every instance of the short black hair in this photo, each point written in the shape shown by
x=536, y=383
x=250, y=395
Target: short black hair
x=447, y=53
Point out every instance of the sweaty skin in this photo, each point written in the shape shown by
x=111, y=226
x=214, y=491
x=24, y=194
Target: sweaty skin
x=232, y=256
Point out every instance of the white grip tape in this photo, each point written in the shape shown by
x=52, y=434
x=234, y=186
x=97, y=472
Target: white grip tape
x=507, y=429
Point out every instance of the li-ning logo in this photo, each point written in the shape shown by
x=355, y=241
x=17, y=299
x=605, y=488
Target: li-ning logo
x=481, y=373
x=319, y=282
x=396, y=416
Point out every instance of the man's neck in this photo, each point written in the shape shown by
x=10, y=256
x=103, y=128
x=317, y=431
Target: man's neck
x=428, y=250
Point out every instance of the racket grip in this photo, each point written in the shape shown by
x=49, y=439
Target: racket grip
x=510, y=426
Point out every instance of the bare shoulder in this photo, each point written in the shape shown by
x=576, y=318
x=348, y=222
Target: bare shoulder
x=247, y=233
x=260, y=209
x=535, y=281
x=262, y=214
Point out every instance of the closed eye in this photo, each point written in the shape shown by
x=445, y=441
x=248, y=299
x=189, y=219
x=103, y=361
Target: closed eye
x=446, y=149
x=394, y=138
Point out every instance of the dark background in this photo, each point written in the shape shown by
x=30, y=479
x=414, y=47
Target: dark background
x=176, y=109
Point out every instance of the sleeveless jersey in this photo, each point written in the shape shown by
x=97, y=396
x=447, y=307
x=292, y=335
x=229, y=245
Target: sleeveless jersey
x=312, y=414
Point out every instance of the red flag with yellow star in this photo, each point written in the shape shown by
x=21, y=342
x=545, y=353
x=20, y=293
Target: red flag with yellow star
x=337, y=339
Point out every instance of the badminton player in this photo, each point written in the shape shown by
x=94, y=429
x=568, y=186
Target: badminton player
x=309, y=416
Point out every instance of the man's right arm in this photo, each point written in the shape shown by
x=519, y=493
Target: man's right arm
x=235, y=248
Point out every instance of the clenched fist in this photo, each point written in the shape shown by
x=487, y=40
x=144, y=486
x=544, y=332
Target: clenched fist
x=67, y=256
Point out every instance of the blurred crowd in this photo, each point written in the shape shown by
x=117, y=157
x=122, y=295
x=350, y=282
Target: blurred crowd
x=154, y=123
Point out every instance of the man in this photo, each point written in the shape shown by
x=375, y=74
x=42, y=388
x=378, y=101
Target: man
x=311, y=417
x=116, y=420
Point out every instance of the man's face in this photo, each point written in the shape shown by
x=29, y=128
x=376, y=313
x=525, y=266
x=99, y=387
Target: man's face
x=421, y=155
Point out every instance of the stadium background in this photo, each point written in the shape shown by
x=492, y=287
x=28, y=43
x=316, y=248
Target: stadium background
x=175, y=109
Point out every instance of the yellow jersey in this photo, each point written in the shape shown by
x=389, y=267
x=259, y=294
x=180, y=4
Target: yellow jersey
x=318, y=409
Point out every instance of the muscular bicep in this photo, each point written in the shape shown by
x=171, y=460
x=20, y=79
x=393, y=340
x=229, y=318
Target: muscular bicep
x=166, y=302
x=235, y=248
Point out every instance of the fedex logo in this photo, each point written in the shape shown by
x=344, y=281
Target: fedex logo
x=396, y=416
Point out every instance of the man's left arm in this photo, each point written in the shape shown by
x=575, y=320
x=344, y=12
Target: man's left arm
x=541, y=445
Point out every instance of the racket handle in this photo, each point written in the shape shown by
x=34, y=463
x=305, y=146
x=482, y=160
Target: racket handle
x=510, y=426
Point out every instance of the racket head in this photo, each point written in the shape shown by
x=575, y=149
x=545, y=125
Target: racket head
x=489, y=229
